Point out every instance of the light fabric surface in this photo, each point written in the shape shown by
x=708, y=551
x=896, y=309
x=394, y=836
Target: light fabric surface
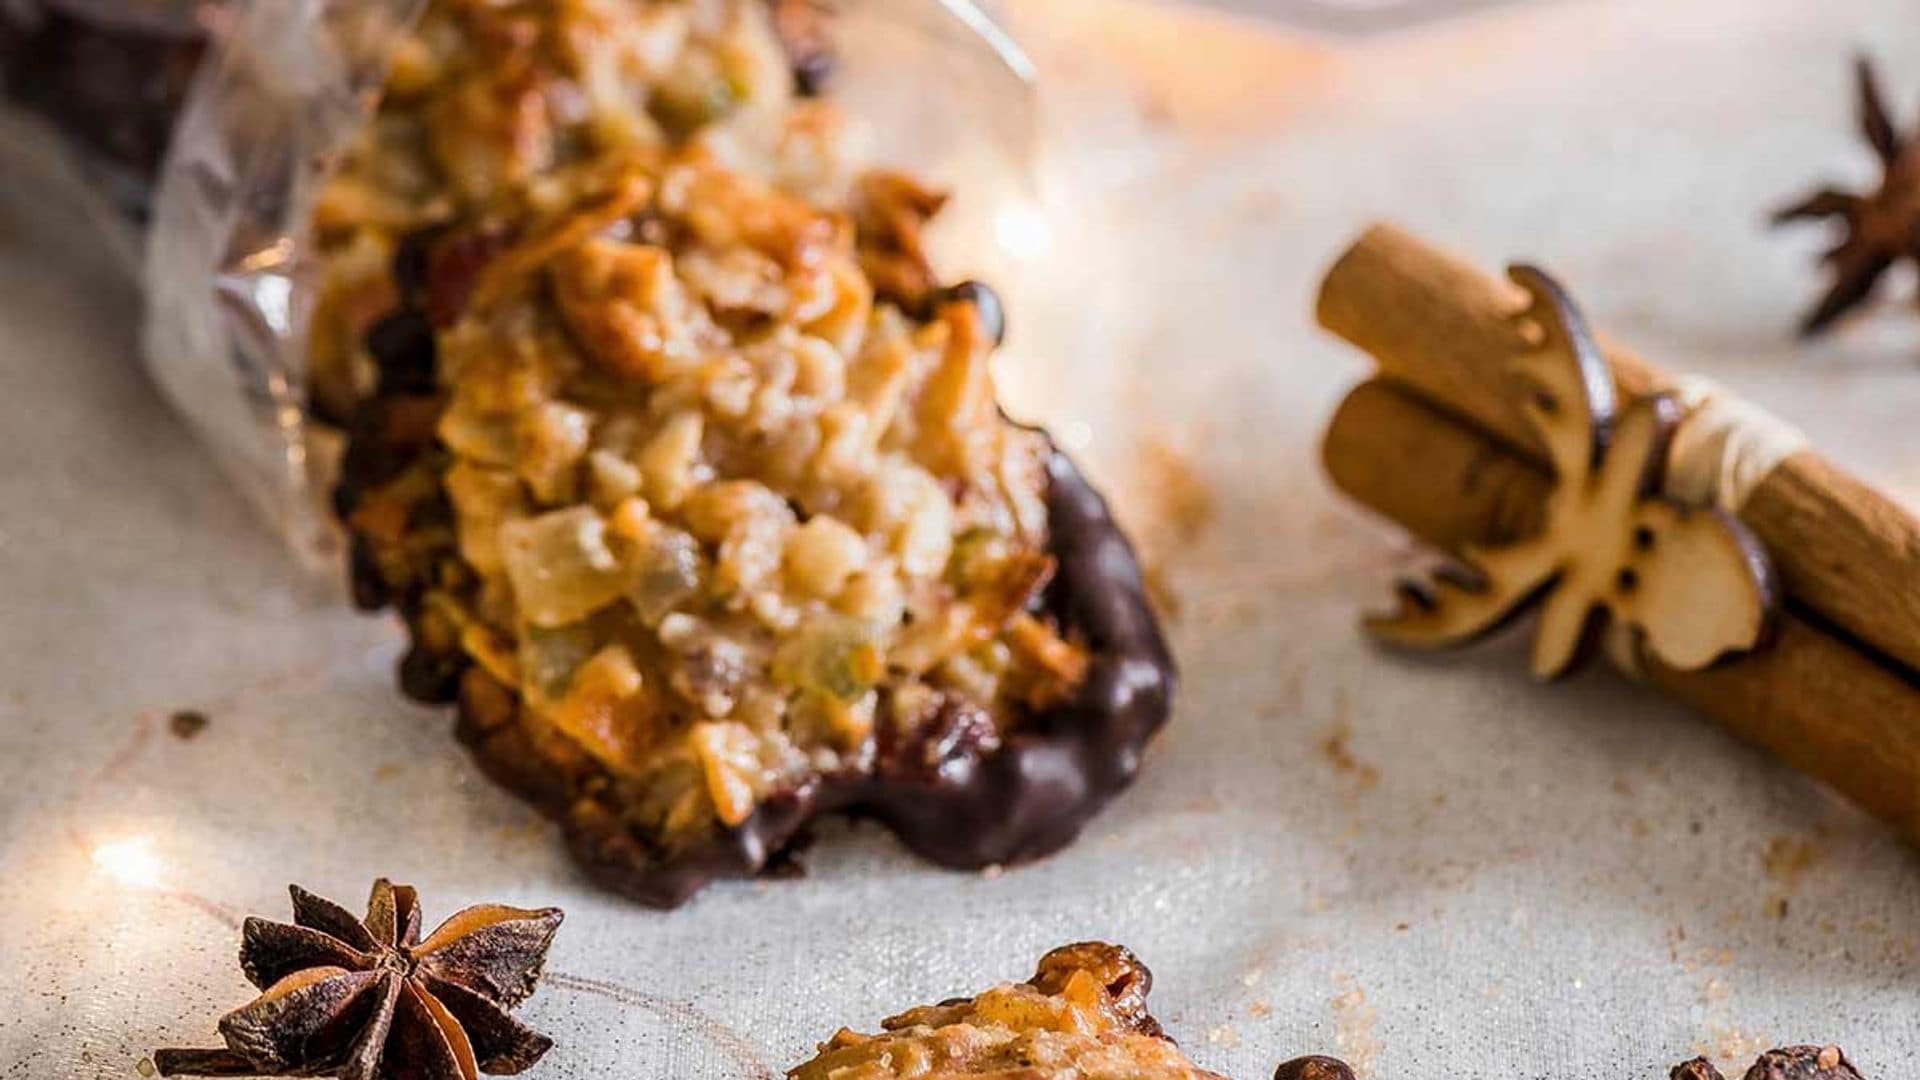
x=1433, y=868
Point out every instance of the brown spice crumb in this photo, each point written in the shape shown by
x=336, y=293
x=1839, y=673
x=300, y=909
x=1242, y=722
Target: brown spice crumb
x=187, y=723
x=1786, y=860
x=1178, y=495
x=1723, y=1043
x=1161, y=591
x=1178, y=509
x=1340, y=755
x=1354, y=1020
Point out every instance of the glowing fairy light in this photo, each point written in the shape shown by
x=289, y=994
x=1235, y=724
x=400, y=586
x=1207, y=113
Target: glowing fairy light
x=131, y=861
x=1021, y=231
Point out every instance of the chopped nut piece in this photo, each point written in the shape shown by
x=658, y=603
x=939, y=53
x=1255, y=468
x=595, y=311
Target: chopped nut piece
x=628, y=309
x=822, y=554
x=667, y=462
x=891, y=211
x=611, y=479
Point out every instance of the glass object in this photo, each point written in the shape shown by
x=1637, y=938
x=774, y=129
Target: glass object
x=1355, y=16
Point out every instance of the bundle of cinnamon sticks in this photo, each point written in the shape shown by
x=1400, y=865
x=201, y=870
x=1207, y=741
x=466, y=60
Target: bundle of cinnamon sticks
x=1437, y=441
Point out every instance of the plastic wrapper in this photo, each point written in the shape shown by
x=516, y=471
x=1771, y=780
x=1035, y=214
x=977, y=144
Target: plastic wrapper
x=205, y=129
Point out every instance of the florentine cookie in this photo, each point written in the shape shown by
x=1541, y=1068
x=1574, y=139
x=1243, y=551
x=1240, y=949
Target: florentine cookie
x=692, y=485
x=1082, y=1016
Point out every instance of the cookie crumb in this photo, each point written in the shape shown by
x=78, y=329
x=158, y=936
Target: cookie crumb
x=1336, y=748
x=1354, y=1021
x=1786, y=860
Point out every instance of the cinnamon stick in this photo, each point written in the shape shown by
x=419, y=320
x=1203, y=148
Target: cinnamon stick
x=1809, y=698
x=1443, y=328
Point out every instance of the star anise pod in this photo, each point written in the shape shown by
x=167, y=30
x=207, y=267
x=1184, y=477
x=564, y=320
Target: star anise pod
x=1878, y=229
x=368, y=999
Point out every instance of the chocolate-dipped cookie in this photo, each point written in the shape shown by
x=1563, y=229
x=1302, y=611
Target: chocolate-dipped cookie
x=691, y=483
x=699, y=569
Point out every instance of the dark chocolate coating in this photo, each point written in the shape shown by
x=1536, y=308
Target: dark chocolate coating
x=431, y=678
x=1027, y=797
x=402, y=345
x=113, y=87
x=993, y=314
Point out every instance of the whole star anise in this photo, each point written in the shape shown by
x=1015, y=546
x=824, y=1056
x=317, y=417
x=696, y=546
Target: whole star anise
x=368, y=999
x=1879, y=229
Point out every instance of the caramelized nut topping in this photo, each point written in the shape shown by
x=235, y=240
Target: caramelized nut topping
x=1083, y=1016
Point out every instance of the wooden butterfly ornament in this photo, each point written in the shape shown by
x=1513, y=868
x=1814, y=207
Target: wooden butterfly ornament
x=1692, y=586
